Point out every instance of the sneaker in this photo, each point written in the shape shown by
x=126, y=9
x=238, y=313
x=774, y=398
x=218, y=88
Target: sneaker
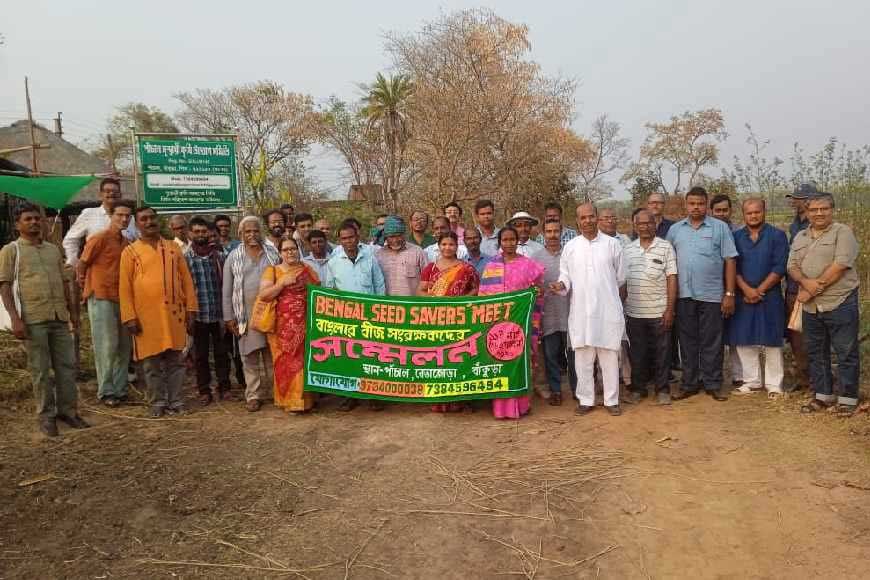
x=663, y=398
x=48, y=427
x=614, y=410
x=583, y=410
x=746, y=390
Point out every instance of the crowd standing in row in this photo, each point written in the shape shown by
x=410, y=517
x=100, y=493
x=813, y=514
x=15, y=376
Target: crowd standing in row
x=608, y=305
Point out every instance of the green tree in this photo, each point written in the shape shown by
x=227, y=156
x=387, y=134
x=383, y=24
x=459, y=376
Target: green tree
x=116, y=147
x=386, y=107
x=644, y=184
x=344, y=129
x=756, y=174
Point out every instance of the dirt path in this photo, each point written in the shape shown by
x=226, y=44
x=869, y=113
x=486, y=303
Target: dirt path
x=744, y=489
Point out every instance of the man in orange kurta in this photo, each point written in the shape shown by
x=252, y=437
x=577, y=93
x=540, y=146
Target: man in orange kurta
x=158, y=303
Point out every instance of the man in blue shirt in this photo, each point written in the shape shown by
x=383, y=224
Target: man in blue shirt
x=704, y=248
x=476, y=258
x=758, y=323
x=354, y=267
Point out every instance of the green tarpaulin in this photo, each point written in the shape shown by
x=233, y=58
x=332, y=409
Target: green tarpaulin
x=51, y=191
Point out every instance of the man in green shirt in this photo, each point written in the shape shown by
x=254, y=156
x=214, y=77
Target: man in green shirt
x=37, y=298
x=418, y=234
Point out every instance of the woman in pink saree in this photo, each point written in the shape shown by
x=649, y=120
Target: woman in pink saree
x=508, y=272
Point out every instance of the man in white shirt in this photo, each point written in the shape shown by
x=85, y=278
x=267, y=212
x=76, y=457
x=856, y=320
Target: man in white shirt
x=591, y=268
x=440, y=226
x=178, y=227
x=94, y=220
x=650, y=305
x=523, y=223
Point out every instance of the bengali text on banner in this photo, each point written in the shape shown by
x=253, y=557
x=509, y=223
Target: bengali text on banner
x=418, y=349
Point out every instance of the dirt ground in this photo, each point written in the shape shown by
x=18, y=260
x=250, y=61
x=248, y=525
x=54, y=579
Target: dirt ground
x=749, y=488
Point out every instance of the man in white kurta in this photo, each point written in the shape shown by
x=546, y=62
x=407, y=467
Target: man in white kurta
x=591, y=269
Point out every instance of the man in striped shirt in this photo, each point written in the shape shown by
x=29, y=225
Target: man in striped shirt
x=651, y=280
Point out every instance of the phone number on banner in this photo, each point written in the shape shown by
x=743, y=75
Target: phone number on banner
x=398, y=389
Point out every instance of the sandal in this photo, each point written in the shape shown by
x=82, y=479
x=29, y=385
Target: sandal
x=814, y=406
x=845, y=410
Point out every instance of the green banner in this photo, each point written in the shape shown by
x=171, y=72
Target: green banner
x=418, y=349
x=188, y=172
x=54, y=191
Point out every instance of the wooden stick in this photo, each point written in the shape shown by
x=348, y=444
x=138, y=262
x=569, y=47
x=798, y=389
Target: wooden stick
x=348, y=564
x=300, y=486
x=458, y=513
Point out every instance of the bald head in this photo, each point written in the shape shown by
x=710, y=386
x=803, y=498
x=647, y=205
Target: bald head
x=607, y=221
x=178, y=226
x=645, y=225
x=587, y=220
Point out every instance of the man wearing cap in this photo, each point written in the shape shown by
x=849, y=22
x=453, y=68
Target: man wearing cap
x=800, y=373
x=523, y=223
x=822, y=262
x=401, y=262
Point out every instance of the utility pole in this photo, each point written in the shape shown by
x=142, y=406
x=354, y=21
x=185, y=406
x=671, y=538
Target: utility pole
x=58, y=125
x=34, y=146
x=111, y=153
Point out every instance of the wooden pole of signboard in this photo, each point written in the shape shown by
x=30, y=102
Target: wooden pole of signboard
x=134, y=144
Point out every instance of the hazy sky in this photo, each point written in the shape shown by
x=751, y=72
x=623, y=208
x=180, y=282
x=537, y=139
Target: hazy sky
x=796, y=70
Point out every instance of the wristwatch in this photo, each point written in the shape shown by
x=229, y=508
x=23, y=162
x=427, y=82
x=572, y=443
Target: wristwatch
x=729, y=294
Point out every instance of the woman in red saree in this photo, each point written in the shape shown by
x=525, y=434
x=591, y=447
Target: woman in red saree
x=287, y=283
x=448, y=276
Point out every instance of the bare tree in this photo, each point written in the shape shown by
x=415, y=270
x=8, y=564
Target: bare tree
x=681, y=147
x=608, y=152
x=273, y=125
x=481, y=110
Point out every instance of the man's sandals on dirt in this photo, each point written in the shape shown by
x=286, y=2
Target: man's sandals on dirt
x=816, y=405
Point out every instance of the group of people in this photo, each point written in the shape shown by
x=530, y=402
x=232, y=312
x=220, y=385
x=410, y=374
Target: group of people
x=608, y=306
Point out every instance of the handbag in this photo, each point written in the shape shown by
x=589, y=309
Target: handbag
x=796, y=320
x=264, y=316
